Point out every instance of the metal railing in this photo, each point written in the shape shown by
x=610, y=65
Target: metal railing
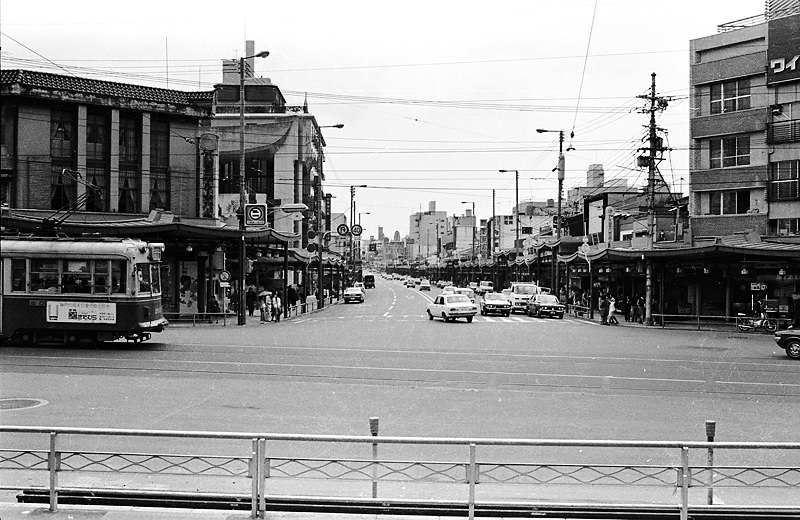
x=711, y=322
x=226, y=318
x=453, y=467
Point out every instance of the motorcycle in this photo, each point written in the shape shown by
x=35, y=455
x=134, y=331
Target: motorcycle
x=747, y=323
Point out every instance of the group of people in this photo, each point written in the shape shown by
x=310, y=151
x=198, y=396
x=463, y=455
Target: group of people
x=632, y=308
x=268, y=304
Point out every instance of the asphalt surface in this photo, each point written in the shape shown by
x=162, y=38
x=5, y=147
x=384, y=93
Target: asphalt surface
x=328, y=372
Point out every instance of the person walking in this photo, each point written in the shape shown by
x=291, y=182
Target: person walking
x=264, y=305
x=612, y=309
x=251, y=298
x=627, y=309
x=603, y=310
x=640, y=308
x=276, y=307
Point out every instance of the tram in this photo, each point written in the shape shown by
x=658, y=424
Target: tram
x=67, y=291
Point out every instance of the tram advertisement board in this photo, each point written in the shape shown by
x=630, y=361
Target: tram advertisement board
x=81, y=312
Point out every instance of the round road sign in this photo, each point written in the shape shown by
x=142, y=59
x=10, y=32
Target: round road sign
x=255, y=212
x=357, y=229
x=342, y=229
x=224, y=276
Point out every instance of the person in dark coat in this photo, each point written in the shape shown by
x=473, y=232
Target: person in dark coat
x=604, y=310
x=250, y=298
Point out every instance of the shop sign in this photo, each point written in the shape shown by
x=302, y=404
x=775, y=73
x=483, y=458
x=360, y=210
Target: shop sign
x=758, y=287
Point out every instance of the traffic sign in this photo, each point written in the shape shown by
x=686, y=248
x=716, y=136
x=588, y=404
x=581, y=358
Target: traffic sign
x=312, y=247
x=255, y=215
x=342, y=229
x=357, y=229
x=224, y=276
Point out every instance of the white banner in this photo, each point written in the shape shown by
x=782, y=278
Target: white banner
x=81, y=312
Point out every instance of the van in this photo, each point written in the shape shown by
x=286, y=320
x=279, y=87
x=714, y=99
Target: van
x=369, y=281
x=521, y=292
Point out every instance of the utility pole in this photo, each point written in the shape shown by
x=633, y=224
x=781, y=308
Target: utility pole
x=655, y=147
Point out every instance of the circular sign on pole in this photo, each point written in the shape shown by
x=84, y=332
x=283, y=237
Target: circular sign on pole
x=342, y=229
x=224, y=276
x=311, y=247
x=255, y=215
x=357, y=229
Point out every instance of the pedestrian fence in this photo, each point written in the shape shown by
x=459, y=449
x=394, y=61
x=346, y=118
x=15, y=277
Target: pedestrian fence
x=467, y=471
x=227, y=318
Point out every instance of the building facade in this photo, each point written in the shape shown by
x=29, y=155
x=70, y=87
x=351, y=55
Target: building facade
x=745, y=126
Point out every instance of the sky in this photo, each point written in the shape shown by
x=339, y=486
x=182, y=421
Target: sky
x=435, y=96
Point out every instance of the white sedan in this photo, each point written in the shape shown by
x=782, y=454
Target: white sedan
x=354, y=294
x=451, y=307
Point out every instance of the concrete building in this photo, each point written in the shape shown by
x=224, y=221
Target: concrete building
x=745, y=126
x=426, y=230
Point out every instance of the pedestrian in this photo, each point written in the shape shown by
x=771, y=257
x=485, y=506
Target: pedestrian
x=612, y=309
x=276, y=307
x=251, y=297
x=627, y=308
x=640, y=308
x=264, y=305
x=291, y=295
x=603, y=310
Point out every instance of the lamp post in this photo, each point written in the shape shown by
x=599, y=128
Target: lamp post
x=241, y=316
x=352, y=218
x=560, y=168
x=516, y=207
x=472, y=256
x=320, y=230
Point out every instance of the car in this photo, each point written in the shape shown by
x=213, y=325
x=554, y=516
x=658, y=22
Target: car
x=359, y=285
x=448, y=289
x=789, y=340
x=369, y=281
x=485, y=286
x=547, y=304
x=506, y=294
x=495, y=303
x=411, y=283
x=521, y=293
x=424, y=285
x=353, y=294
x=466, y=291
x=450, y=307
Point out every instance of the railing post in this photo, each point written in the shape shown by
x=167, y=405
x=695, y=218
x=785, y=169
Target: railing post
x=53, y=465
x=262, y=478
x=254, y=476
x=685, y=483
x=711, y=427
x=373, y=429
x=472, y=480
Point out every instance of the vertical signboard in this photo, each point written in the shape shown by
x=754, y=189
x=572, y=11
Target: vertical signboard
x=783, y=49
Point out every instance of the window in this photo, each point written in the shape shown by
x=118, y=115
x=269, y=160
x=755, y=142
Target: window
x=730, y=96
x=96, y=137
x=62, y=134
x=784, y=180
x=63, y=188
x=129, y=165
x=128, y=190
x=159, y=165
x=118, y=276
x=728, y=202
x=729, y=151
x=784, y=226
x=44, y=275
x=97, y=197
x=76, y=276
x=101, y=277
x=19, y=275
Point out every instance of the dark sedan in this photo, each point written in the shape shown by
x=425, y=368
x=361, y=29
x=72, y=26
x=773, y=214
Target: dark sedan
x=789, y=340
x=545, y=304
x=495, y=303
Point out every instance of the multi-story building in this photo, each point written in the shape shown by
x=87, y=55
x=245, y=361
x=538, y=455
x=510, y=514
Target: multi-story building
x=745, y=126
x=427, y=229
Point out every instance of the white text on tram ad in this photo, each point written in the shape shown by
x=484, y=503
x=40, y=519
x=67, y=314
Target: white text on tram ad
x=81, y=312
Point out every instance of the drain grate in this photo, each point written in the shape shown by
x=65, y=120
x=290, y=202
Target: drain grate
x=14, y=403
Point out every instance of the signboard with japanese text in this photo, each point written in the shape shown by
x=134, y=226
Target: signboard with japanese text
x=783, y=49
x=81, y=312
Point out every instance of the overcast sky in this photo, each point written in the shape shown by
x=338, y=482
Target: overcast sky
x=435, y=96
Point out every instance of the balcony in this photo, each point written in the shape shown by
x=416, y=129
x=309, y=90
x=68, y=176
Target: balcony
x=783, y=131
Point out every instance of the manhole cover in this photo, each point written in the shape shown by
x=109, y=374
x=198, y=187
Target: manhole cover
x=12, y=403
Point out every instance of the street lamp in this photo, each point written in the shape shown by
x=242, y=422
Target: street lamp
x=516, y=206
x=241, y=316
x=474, y=220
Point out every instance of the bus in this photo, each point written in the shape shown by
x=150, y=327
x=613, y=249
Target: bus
x=66, y=291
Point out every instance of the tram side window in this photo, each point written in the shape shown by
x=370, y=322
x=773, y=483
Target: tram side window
x=101, y=276
x=118, y=274
x=44, y=275
x=19, y=275
x=76, y=277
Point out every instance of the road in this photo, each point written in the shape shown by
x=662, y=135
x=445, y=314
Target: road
x=329, y=371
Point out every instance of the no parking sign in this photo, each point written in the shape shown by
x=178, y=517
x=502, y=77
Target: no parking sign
x=255, y=215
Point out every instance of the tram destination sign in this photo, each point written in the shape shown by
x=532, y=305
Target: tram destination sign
x=81, y=312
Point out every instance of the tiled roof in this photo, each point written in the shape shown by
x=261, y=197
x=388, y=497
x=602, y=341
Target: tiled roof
x=46, y=80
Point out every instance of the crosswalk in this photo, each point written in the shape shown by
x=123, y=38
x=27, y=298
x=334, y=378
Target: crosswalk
x=520, y=320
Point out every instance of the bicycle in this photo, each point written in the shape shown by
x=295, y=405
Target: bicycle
x=747, y=323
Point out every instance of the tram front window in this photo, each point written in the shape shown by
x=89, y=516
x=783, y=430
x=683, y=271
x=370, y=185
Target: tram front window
x=143, y=275
x=118, y=276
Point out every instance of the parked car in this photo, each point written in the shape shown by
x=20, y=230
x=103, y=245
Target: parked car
x=521, y=293
x=424, y=285
x=466, y=291
x=495, y=303
x=451, y=307
x=789, y=340
x=353, y=294
x=547, y=304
